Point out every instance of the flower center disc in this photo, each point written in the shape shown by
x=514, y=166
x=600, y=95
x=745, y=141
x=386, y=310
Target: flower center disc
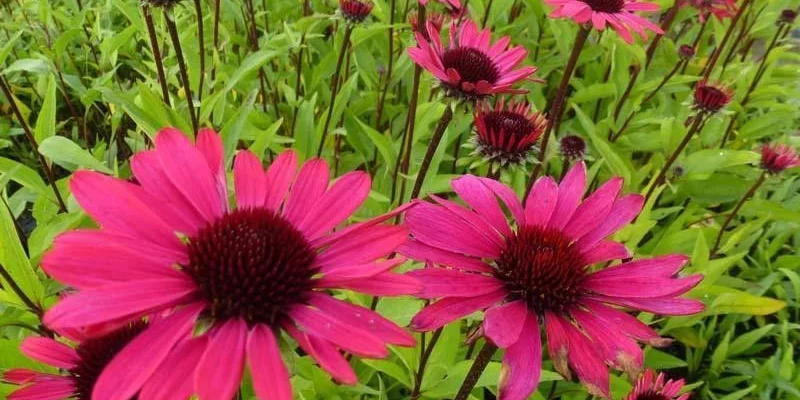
x=606, y=6
x=251, y=264
x=541, y=266
x=96, y=353
x=471, y=64
x=512, y=124
x=651, y=395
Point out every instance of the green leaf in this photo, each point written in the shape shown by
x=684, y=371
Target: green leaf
x=658, y=359
x=46, y=121
x=24, y=175
x=70, y=155
x=15, y=262
x=613, y=160
x=748, y=339
x=8, y=47
x=593, y=92
x=710, y=160
x=381, y=142
x=720, y=353
x=30, y=65
x=744, y=303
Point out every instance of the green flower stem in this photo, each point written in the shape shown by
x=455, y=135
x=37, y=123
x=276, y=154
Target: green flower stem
x=735, y=211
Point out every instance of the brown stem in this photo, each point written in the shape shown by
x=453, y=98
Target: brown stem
x=217, y=14
x=475, y=372
x=432, y=146
x=664, y=81
x=612, y=137
x=33, y=307
x=735, y=211
x=48, y=173
x=487, y=12
x=202, y=42
x=557, y=107
x=389, y=68
x=335, y=86
x=697, y=121
x=715, y=56
x=176, y=43
x=151, y=32
x=425, y=355
x=407, y=138
x=626, y=93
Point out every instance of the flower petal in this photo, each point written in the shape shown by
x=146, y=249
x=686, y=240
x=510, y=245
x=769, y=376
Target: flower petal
x=448, y=310
x=541, y=202
x=503, y=323
x=279, y=177
x=441, y=282
x=219, y=371
x=570, y=192
x=336, y=205
x=317, y=323
x=363, y=319
x=270, y=376
x=50, y=352
x=522, y=363
x=250, y=184
x=174, y=379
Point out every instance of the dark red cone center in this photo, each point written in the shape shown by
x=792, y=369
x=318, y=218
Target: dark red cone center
x=471, y=64
x=96, y=353
x=252, y=264
x=606, y=6
x=542, y=267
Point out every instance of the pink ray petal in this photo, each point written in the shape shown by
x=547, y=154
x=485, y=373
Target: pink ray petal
x=55, y=389
x=219, y=370
x=209, y=143
x=541, y=202
x=662, y=266
x=622, y=212
x=483, y=201
x=369, y=245
x=346, y=336
x=587, y=363
x=362, y=318
x=270, y=376
x=135, y=364
x=441, y=282
x=279, y=178
x=328, y=357
x=250, y=184
x=448, y=310
x=420, y=251
x=606, y=250
x=50, y=352
x=522, y=363
x=570, y=192
x=503, y=323
x=593, y=211
x=174, y=379
x=336, y=205
x=383, y=284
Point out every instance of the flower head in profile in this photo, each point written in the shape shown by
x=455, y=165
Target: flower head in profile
x=544, y=268
x=710, y=98
x=686, y=52
x=81, y=365
x=355, y=11
x=787, y=16
x=437, y=19
x=775, y=158
x=572, y=147
x=652, y=387
x=507, y=132
x=471, y=67
x=235, y=276
x=620, y=15
x=721, y=9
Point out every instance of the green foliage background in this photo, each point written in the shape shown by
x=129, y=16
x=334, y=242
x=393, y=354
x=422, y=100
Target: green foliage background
x=84, y=78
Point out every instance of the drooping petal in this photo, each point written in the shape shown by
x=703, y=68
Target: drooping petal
x=362, y=318
x=503, y=323
x=224, y=352
x=522, y=363
x=317, y=323
x=135, y=364
x=270, y=376
x=448, y=310
x=174, y=379
x=328, y=357
x=587, y=363
x=53, y=389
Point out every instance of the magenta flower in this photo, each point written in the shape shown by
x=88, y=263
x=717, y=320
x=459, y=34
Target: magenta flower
x=471, y=67
x=711, y=97
x=507, y=131
x=171, y=246
x=776, y=158
x=355, y=11
x=80, y=365
x=620, y=15
x=652, y=387
x=719, y=8
x=542, y=271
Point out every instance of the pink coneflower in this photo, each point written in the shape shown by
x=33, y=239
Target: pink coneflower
x=437, y=19
x=652, y=387
x=81, y=365
x=620, y=15
x=542, y=271
x=776, y=158
x=471, y=67
x=506, y=132
x=710, y=98
x=172, y=246
x=719, y=8
x=355, y=11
